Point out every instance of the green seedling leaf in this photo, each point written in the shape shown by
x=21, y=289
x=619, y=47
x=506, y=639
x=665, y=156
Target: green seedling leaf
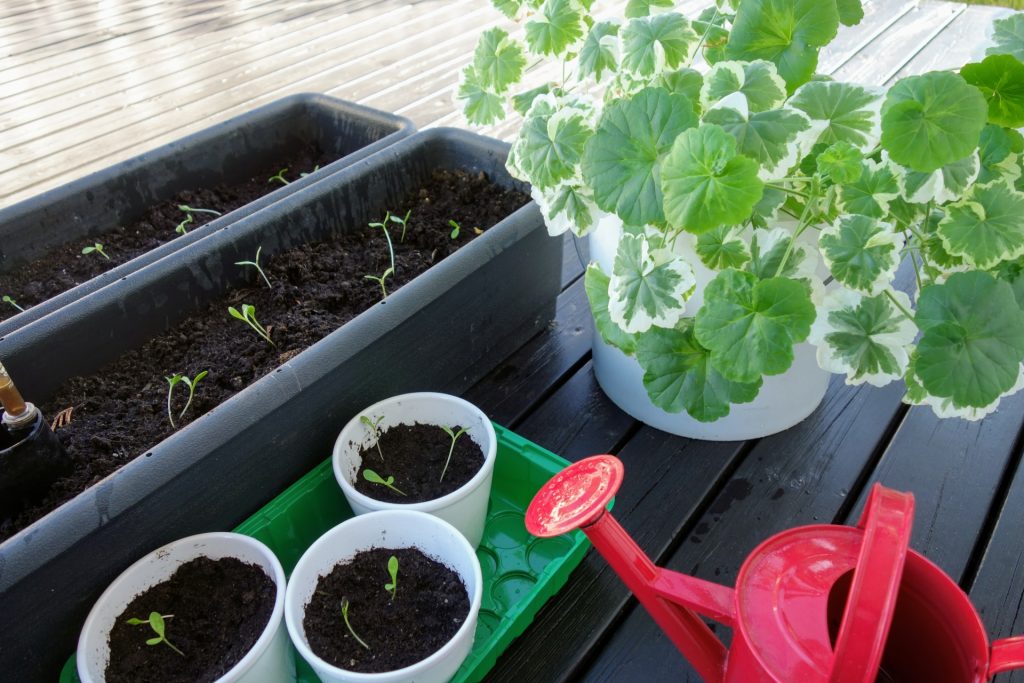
x=156, y=622
x=393, y=572
x=750, y=325
x=679, y=375
x=256, y=264
x=772, y=138
x=498, y=60
x=279, y=177
x=973, y=339
x=1000, y=78
x=315, y=169
x=181, y=228
x=788, y=33
x=1009, y=36
x=189, y=210
x=648, y=286
x=843, y=112
x=706, y=183
x=599, y=55
x=987, y=226
x=403, y=221
x=623, y=160
x=344, y=615
x=651, y=45
x=248, y=316
x=455, y=229
x=374, y=478
x=932, y=120
x=454, y=436
x=758, y=81
x=861, y=252
x=872, y=193
x=97, y=248
x=558, y=25
x=596, y=283
x=8, y=300
x=374, y=427
x=722, y=248
x=480, y=105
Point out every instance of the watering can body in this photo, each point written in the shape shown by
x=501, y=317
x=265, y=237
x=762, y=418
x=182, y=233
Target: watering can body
x=814, y=604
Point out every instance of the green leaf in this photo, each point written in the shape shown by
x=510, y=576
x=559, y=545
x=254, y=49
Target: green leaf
x=772, y=138
x=679, y=375
x=156, y=620
x=993, y=150
x=788, y=33
x=841, y=163
x=558, y=25
x=599, y=54
x=932, y=120
x=758, y=81
x=768, y=248
x=551, y=142
x=510, y=8
x=844, y=112
x=713, y=24
x=648, y=287
x=706, y=183
x=866, y=338
x=480, y=106
x=947, y=184
x=751, y=325
x=522, y=102
x=652, y=44
x=596, y=284
x=766, y=211
x=623, y=160
x=642, y=8
x=568, y=206
x=685, y=82
x=498, y=60
x=1000, y=78
x=861, y=252
x=850, y=12
x=870, y=194
x=722, y=248
x=943, y=407
x=987, y=226
x=973, y=339
x=1009, y=36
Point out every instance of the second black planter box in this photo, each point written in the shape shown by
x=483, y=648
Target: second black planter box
x=224, y=154
x=438, y=332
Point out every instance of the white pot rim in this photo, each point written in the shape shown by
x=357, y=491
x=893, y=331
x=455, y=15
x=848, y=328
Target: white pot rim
x=489, y=448
x=261, y=644
x=384, y=518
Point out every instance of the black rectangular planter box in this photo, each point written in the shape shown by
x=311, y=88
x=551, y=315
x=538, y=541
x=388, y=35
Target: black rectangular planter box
x=439, y=332
x=223, y=153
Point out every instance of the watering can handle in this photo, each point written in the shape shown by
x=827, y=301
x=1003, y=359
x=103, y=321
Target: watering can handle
x=1007, y=655
x=886, y=522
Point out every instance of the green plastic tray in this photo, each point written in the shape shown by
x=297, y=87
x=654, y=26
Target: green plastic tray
x=520, y=572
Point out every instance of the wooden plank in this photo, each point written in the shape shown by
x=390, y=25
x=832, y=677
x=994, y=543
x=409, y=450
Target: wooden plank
x=851, y=41
x=801, y=476
x=24, y=16
x=67, y=16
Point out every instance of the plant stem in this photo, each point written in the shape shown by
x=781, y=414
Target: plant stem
x=897, y=304
x=703, y=38
x=788, y=190
x=801, y=226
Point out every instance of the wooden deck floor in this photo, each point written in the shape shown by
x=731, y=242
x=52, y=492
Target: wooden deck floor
x=87, y=83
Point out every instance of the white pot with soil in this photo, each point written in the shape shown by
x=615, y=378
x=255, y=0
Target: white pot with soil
x=163, y=612
x=353, y=613
x=408, y=452
x=784, y=400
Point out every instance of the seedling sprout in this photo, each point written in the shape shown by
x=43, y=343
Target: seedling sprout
x=180, y=229
x=391, y=251
x=98, y=248
x=248, y=316
x=173, y=381
x=156, y=622
x=279, y=177
x=375, y=428
x=344, y=614
x=374, y=478
x=393, y=571
x=256, y=264
x=315, y=169
x=8, y=300
x=190, y=210
x=455, y=437
x=404, y=223
x=455, y=229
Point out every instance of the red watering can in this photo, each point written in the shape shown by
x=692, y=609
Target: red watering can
x=812, y=604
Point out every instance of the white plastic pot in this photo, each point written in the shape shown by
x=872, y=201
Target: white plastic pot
x=270, y=658
x=784, y=400
x=464, y=508
x=387, y=529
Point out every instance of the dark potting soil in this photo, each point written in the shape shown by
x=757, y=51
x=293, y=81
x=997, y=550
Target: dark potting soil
x=120, y=411
x=415, y=456
x=219, y=607
x=65, y=266
x=429, y=606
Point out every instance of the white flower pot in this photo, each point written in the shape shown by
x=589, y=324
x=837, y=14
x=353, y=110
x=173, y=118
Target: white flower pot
x=270, y=659
x=784, y=400
x=466, y=507
x=387, y=529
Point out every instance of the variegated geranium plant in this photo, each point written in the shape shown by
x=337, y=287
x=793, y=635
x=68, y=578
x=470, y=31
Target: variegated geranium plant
x=711, y=139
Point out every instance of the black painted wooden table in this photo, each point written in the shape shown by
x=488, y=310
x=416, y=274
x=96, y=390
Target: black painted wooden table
x=702, y=507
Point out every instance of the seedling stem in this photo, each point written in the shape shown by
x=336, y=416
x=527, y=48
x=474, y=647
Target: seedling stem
x=374, y=478
x=156, y=622
x=455, y=437
x=248, y=316
x=173, y=381
x=279, y=177
x=256, y=264
x=393, y=571
x=8, y=300
x=344, y=614
x=391, y=252
x=98, y=248
x=375, y=429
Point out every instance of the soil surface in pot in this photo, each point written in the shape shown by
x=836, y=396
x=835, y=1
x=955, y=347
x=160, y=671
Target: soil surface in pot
x=107, y=419
x=415, y=455
x=65, y=266
x=219, y=607
x=430, y=604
